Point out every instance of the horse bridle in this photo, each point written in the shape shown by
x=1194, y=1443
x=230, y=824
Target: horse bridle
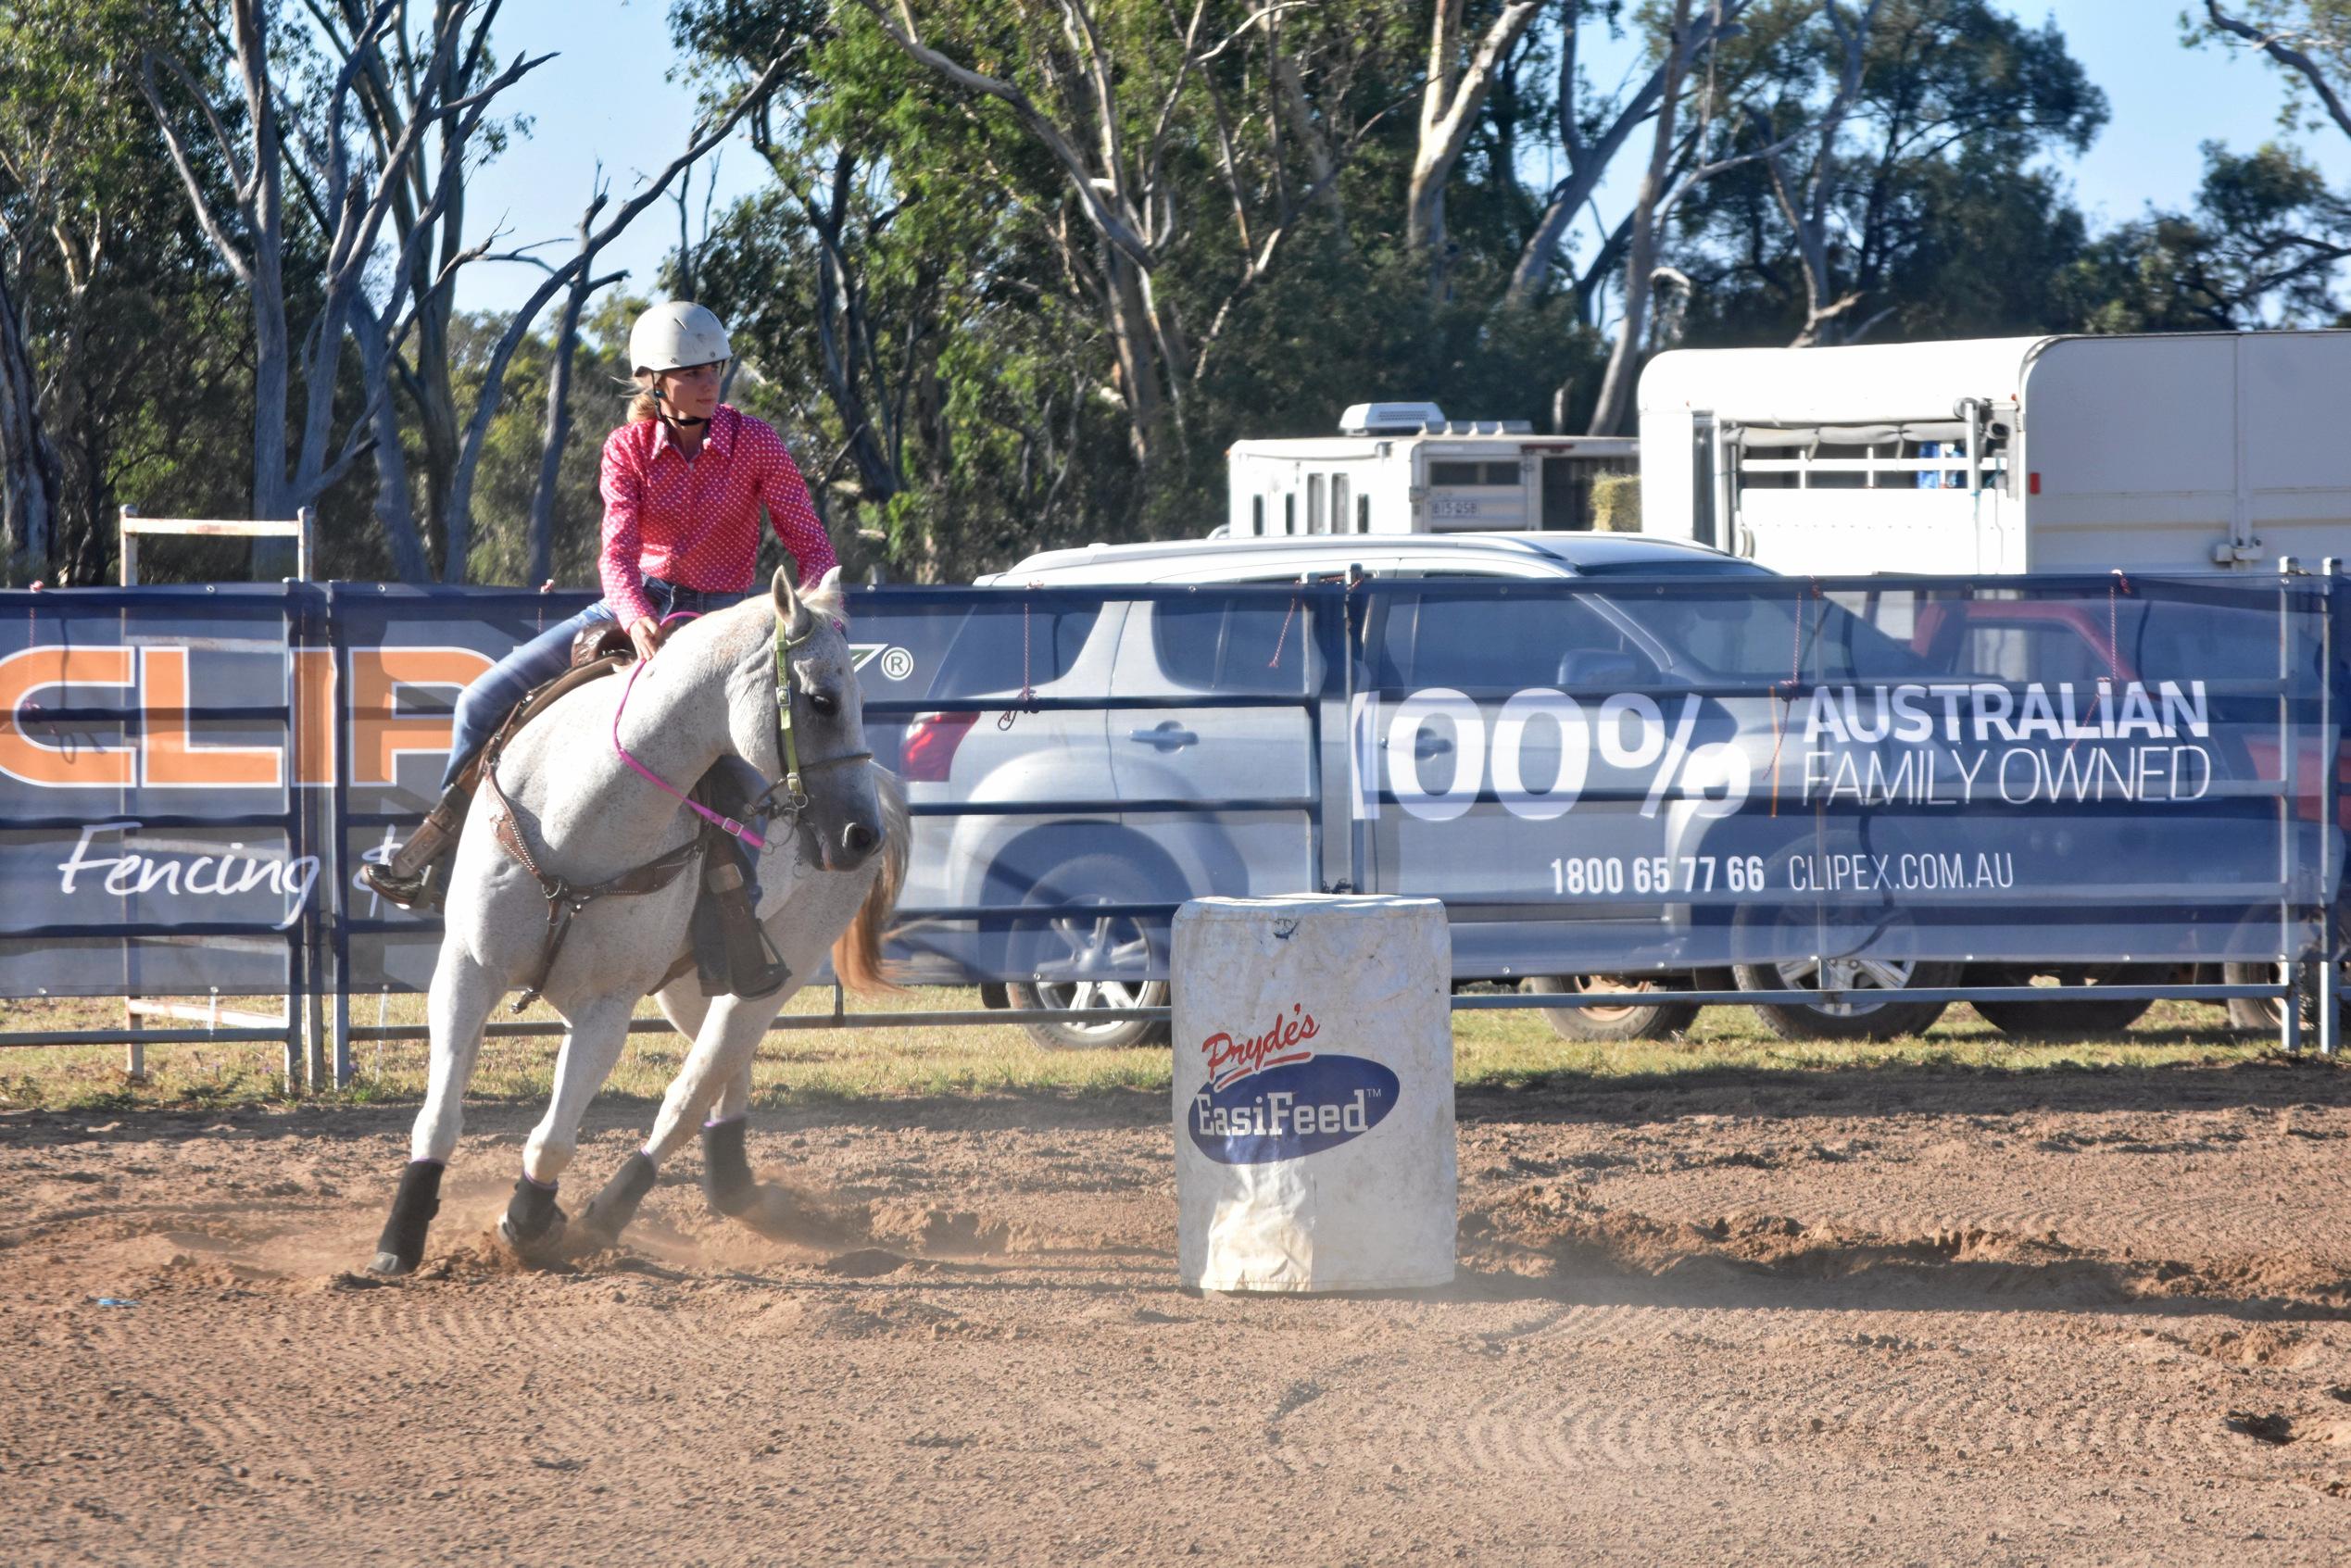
x=795, y=799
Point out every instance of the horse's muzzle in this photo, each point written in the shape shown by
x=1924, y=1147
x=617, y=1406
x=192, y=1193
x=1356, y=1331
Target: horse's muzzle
x=852, y=850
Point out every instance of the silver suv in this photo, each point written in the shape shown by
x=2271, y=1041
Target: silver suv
x=1167, y=648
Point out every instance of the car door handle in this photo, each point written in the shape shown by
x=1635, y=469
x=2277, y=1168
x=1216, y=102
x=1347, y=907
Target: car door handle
x=1168, y=736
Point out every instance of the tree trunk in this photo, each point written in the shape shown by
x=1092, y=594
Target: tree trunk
x=555, y=434
x=1451, y=96
x=272, y=343
x=30, y=482
x=1131, y=332
x=395, y=513
x=1640, y=257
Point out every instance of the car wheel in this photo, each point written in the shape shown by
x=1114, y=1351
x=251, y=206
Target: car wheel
x=1080, y=962
x=1867, y=1019
x=2068, y=1019
x=1777, y=941
x=2264, y=1015
x=1659, y=1021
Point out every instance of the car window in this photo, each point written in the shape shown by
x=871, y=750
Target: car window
x=1001, y=648
x=2030, y=651
x=2183, y=640
x=1758, y=636
x=1216, y=646
x=1502, y=645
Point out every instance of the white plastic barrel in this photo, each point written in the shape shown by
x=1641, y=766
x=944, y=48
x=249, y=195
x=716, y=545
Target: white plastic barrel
x=1314, y=1092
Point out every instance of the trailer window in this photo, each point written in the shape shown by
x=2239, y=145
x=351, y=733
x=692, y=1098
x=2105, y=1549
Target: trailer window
x=1362, y=514
x=1257, y=514
x=1315, y=522
x=1289, y=513
x=1338, y=503
x=1454, y=474
x=1923, y=455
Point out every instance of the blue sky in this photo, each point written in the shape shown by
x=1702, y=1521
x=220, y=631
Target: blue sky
x=607, y=95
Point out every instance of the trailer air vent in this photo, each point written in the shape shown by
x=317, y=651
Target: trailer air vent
x=1390, y=419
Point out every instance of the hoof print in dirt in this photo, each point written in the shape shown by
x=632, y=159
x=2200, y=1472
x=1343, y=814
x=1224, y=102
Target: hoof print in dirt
x=866, y=1263
x=2270, y=1427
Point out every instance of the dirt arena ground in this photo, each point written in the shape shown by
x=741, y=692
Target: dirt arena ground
x=1900, y=1317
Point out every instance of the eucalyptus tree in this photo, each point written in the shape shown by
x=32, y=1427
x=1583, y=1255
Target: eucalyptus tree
x=1891, y=213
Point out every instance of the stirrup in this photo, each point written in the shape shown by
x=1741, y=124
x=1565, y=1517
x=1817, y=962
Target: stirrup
x=424, y=891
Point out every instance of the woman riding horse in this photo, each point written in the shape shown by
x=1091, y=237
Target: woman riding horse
x=683, y=483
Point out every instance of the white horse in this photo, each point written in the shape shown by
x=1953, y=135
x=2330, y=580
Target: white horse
x=581, y=818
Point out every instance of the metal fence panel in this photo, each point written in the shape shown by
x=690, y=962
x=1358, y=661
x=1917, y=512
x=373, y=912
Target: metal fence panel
x=1613, y=776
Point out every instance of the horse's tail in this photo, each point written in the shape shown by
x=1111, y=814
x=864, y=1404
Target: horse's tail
x=857, y=954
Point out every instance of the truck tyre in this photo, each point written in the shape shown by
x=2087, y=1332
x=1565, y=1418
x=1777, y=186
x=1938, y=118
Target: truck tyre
x=2081, y=1019
x=1070, y=939
x=1664, y=1021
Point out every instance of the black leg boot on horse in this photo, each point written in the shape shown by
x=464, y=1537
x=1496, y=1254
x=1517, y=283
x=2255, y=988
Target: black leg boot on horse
x=727, y=1181
x=531, y=1225
x=401, y=1246
x=615, y=1205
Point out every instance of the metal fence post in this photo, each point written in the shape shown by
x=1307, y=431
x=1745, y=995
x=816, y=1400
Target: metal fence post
x=2329, y=1000
x=338, y=815
x=2289, y=960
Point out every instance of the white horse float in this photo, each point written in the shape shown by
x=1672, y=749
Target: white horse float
x=570, y=900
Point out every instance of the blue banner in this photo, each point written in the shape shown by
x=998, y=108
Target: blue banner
x=1613, y=776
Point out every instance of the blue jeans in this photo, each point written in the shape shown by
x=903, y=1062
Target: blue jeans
x=485, y=704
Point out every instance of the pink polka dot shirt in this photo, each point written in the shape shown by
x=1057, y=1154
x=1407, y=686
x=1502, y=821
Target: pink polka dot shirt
x=696, y=523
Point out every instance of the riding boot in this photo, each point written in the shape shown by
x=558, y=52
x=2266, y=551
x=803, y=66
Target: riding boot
x=411, y=877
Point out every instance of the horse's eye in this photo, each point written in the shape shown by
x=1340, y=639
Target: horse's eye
x=825, y=703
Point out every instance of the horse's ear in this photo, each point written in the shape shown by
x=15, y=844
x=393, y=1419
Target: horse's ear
x=790, y=613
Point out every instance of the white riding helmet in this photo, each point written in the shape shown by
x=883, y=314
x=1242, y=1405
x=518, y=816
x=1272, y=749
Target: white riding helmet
x=674, y=335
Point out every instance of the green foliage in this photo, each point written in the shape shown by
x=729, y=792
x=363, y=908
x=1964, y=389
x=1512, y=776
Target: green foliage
x=136, y=330
x=2259, y=247
x=1933, y=175
x=968, y=370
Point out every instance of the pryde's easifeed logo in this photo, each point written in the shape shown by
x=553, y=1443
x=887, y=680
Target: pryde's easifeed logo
x=1270, y=1097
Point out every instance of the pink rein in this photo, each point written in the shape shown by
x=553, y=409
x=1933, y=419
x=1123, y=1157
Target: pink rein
x=728, y=825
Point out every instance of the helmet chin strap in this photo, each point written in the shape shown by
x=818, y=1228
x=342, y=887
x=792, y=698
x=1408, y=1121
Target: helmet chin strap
x=684, y=421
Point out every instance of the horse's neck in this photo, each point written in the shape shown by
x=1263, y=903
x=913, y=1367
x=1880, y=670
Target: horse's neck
x=595, y=811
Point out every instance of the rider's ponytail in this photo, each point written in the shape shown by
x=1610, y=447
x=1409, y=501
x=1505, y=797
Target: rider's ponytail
x=644, y=406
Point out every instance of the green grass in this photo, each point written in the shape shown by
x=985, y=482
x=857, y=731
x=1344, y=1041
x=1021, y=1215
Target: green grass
x=1496, y=1049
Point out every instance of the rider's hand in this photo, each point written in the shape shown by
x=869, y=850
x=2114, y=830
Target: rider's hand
x=646, y=632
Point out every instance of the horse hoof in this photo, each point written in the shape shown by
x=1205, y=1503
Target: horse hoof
x=391, y=1264
x=532, y=1225
x=612, y=1208
x=547, y=1244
